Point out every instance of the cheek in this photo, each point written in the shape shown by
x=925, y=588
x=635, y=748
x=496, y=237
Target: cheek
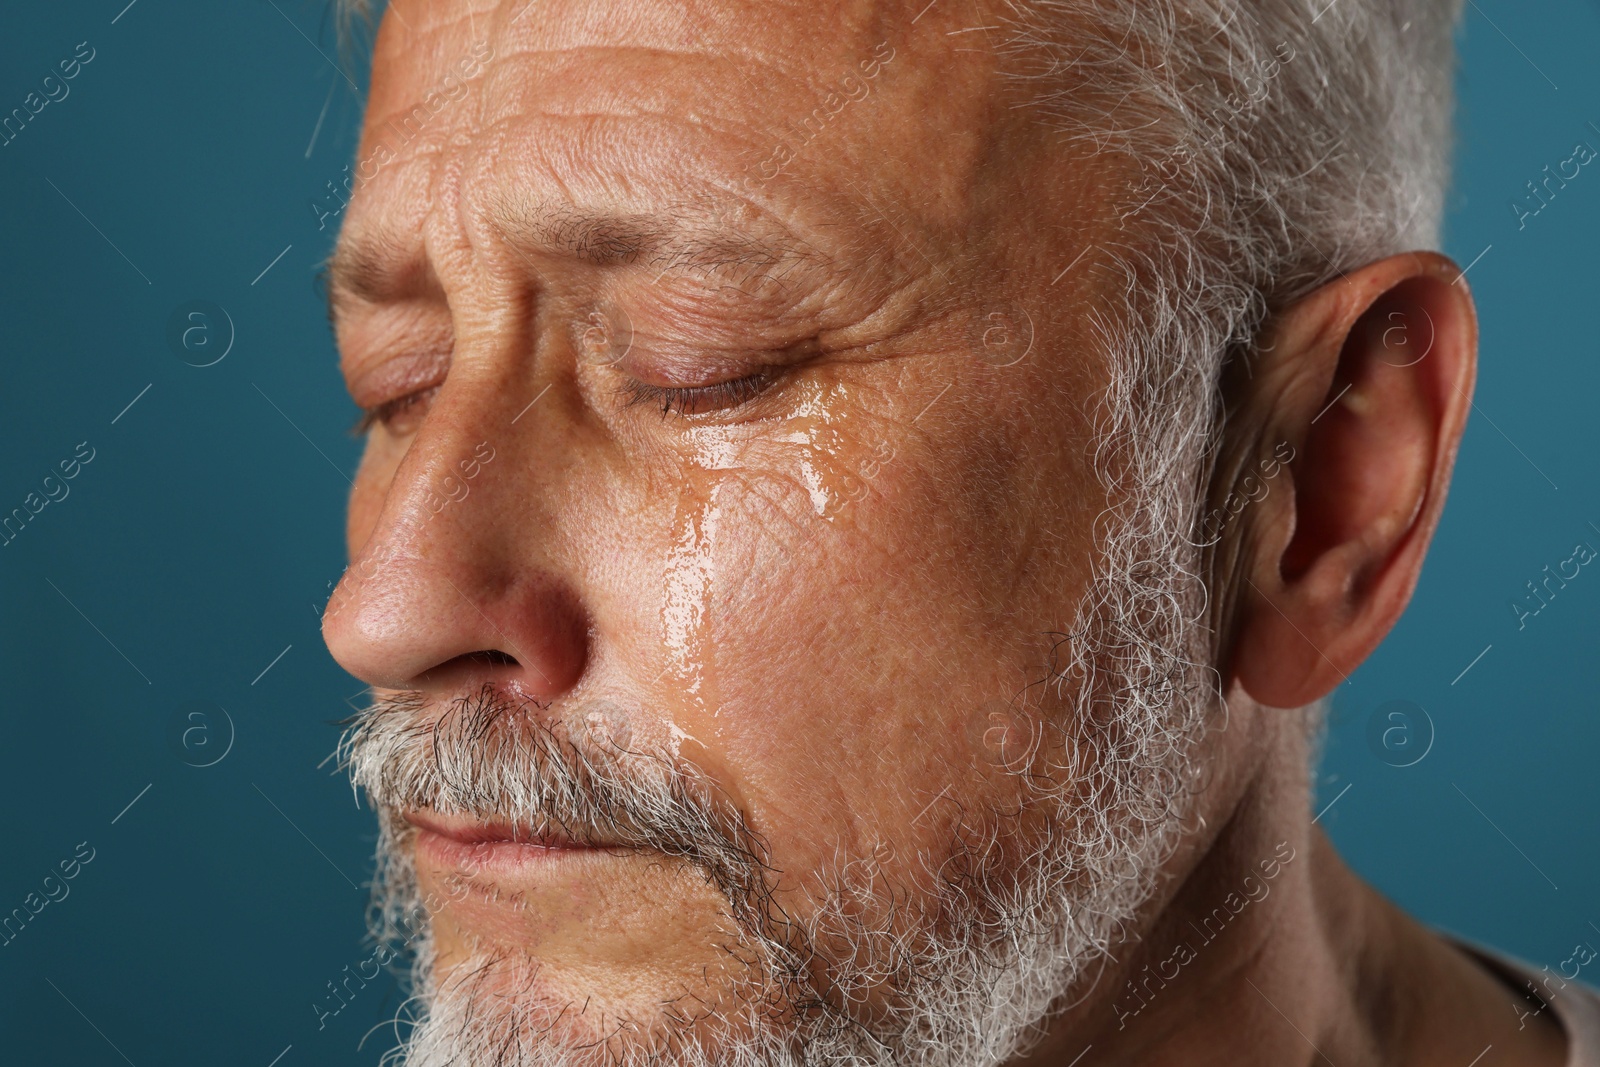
x=860, y=652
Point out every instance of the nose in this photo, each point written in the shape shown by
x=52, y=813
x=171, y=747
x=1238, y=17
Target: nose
x=455, y=585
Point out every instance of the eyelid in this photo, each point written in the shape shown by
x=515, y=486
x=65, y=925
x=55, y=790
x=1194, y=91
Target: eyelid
x=684, y=362
x=698, y=382
x=676, y=365
x=417, y=366
x=393, y=352
x=382, y=413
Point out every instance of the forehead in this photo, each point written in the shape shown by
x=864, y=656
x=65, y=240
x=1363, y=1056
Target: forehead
x=630, y=128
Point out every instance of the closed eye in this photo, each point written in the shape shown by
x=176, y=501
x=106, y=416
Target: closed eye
x=699, y=399
x=399, y=416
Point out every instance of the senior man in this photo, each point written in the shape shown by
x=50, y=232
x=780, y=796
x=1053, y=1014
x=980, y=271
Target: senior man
x=862, y=503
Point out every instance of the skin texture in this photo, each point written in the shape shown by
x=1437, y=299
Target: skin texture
x=819, y=594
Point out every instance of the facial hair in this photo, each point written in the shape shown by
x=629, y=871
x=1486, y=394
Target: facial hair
x=964, y=977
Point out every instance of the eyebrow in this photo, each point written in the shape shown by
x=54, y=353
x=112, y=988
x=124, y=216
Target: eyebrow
x=685, y=237
x=375, y=267
x=372, y=267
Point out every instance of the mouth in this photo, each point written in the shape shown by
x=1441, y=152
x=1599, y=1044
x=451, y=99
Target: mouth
x=473, y=847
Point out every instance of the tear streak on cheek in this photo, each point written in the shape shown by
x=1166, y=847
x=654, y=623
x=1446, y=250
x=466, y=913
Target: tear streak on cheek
x=721, y=491
x=821, y=449
x=690, y=672
x=829, y=484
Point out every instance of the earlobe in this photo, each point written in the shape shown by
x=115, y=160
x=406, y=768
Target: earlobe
x=1375, y=373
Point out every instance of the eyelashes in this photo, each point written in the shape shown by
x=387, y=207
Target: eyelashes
x=698, y=399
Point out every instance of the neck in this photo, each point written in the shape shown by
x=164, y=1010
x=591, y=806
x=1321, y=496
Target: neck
x=1266, y=949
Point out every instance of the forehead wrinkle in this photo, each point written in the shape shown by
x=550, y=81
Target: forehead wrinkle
x=693, y=237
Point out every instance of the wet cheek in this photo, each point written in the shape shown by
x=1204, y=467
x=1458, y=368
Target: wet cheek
x=827, y=614
x=757, y=527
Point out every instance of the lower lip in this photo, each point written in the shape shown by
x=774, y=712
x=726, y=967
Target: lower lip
x=494, y=857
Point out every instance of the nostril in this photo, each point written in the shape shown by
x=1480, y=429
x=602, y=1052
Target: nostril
x=470, y=668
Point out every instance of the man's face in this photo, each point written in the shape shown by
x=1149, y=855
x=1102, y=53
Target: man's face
x=734, y=415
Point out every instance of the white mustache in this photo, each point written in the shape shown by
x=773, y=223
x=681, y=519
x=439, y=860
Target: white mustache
x=506, y=761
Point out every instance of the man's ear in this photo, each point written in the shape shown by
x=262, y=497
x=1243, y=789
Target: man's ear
x=1367, y=384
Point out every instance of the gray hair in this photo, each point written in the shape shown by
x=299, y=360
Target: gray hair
x=1280, y=144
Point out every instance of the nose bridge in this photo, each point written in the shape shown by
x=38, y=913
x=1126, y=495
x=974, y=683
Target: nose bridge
x=461, y=561
x=434, y=488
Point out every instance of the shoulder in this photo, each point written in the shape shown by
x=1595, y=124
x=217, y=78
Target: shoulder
x=1557, y=992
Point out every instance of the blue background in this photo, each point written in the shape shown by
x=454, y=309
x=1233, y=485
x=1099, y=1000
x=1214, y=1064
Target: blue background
x=195, y=549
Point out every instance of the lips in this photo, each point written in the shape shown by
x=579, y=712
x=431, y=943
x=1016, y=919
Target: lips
x=468, y=845
x=469, y=831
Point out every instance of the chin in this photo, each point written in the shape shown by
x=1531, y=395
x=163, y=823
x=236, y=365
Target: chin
x=503, y=1007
